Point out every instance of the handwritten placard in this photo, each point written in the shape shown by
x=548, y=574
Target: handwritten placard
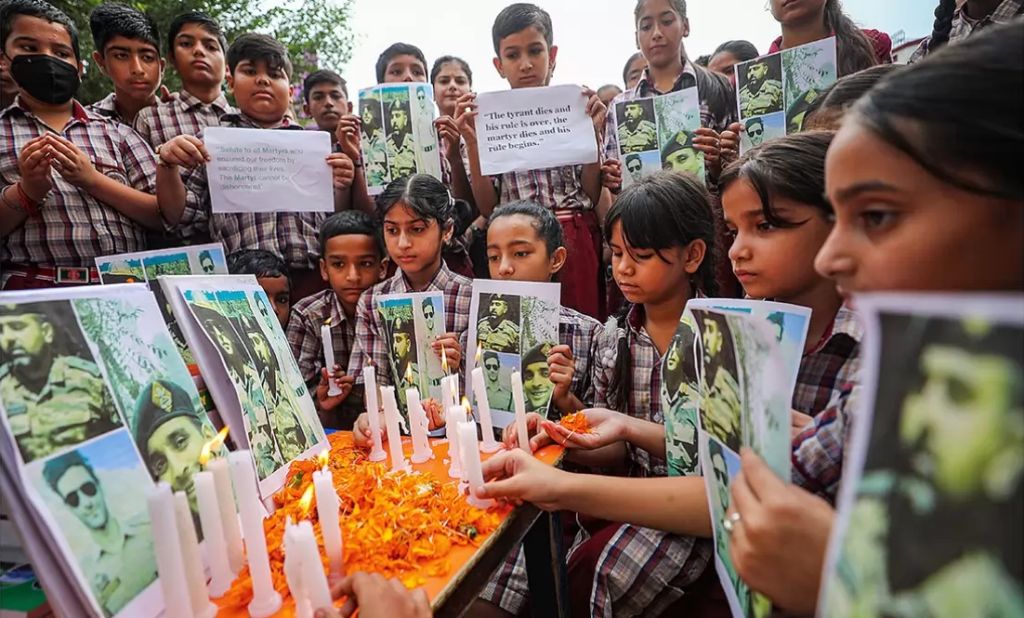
x=534, y=128
x=268, y=171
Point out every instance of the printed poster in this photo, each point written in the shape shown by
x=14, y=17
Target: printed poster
x=513, y=326
x=98, y=405
x=775, y=91
x=931, y=504
x=412, y=322
x=656, y=133
x=398, y=135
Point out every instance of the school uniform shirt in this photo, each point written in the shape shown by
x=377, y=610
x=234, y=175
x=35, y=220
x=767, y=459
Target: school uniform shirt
x=964, y=26
x=73, y=227
x=107, y=108
x=580, y=332
x=291, y=235
x=371, y=345
x=831, y=367
x=184, y=114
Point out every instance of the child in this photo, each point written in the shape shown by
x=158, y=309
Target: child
x=417, y=215
x=128, y=52
x=401, y=62
x=662, y=236
x=325, y=96
x=8, y=89
x=352, y=261
x=260, y=71
x=59, y=211
x=525, y=56
x=271, y=273
x=451, y=78
x=634, y=70
x=955, y=21
x=806, y=22
x=728, y=55
x=524, y=243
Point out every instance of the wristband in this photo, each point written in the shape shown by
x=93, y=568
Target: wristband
x=30, y=207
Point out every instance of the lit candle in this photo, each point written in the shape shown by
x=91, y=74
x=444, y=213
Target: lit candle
x=265, y=600
x=453, y=417
x=198, y=593
x=170, y=564
x=372, y=411
x=333, y=390
x=327, y=507
x=398, y=461
x=483, y=406
x=293, y=572
x=418, y=427
x=314, y=582
x=213, y=534
x=471, y=463
x=519, y=402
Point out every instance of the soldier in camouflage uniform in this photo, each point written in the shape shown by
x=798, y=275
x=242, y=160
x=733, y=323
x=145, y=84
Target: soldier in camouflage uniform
x=761, y=94
x=52, y=399
x=496, y=331
x=400, y=143
x=637, y=134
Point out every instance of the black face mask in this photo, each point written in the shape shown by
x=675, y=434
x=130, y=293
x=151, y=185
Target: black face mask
x=45, y=78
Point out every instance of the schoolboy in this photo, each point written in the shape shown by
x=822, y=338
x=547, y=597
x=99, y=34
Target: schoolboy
x=259, y=78
x=128, y=52
x=351, y=262
x=73, y=185
x=525, y=55
x=325, y=96
x=271, y=273
x=8, y=89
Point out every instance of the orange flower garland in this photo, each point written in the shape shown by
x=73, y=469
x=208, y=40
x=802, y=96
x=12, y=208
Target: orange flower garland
x=576, y=422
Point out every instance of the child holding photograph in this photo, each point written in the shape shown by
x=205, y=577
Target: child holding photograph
x=325, y=100
x=352, y=262
x=417, y=215
x=128, y=52
x=662, y=239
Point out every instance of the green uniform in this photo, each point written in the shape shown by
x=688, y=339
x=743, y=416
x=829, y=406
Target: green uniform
x=375, y=158
x=502, y=337
x=119, y=574
x=766, y=100
x=401, y=155
x=74, y=405
x=644, y=137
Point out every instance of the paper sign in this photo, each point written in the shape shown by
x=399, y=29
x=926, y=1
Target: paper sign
x=534, y=128
x=268, y=171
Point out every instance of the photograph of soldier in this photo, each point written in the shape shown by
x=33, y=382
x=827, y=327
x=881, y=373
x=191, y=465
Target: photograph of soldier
x=638, y=131
x=404, y=354
x=798, y=110
x=168, y=264
x=679, y=388
x=536, y=384
x=498, y=328
x=206, y=262
x=430, y=317
x=680, y=155
x=754, y=129
x=760, y=129
x=499, y=388
x=760, y=86
x=122, y=271
x=293, y=434
x=635, y=167
x=401, y=146
x=720, y=408
x=52, y=390
x=375, y=154
x=121, y=563
x=720, y=507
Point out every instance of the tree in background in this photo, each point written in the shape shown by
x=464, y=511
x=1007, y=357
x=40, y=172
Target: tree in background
x=314, y=31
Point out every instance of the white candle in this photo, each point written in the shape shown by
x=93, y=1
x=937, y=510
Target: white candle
x=293, y=572
x=213, y=534
x=170, y=564
x=455, y=389
x=228, y=513
x=333, y=390
x=446, y=394
x=453, y=417
x=519, y=402
x=418, y=427
x=483, y=406
x=195, y=573
x=314, y=582
x=372, y=411
x=471, y=463
x=327, y=507
x=265, y=600
x=398, y=461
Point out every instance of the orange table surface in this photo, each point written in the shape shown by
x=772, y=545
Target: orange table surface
x=462, y=557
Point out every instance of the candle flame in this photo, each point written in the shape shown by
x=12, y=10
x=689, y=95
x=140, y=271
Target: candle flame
x=213, y=445
x=444, y=360
x=327, y=322
x=468, y=408
x=321, y=459
x=479, y=353
x=306, y=500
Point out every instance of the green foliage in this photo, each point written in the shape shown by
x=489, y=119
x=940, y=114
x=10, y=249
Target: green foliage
x=314, y=31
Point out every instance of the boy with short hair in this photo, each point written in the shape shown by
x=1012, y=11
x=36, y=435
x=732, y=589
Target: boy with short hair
x=326, y=100
x=401, y=62
x=271, y=273
x=128, y=52
x=525, y=53
x=54, y=225
x=352, y=261
x=259, y=77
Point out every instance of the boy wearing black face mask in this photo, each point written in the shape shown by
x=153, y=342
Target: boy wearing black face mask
x=73, y=185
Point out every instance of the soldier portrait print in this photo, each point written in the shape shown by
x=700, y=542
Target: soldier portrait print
x=51, y=388
x=498, y=328
x=537, y=384
x=375, y=158
x=760, y=84
x=400, y=142
x=638, y=131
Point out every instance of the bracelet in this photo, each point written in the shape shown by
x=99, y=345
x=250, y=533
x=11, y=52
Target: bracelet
x=30, y=207
x=8, y=203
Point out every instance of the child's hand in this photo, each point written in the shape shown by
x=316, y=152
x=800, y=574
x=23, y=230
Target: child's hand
x=185, y=151
x=798, y=422
x=730, y=146
x=347, y=135
x=517, y=477
x=611, y=175
x=34, y=163
x=361, y=431
x=561, y=367
x=707, y=141
x=449, y=344
x=71, y=163
x=597, y=112
x=606, y=427
x=343, y=381
x=373, y=596
x=448, y=131
x=343, y=171
x=465, y=117
x=538, y=439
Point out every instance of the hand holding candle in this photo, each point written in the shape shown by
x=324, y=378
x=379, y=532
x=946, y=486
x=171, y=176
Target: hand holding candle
x=333, y=390
x=372, y=412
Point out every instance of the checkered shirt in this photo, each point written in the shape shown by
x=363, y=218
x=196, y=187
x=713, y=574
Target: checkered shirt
x=308, y=316
x=831, y=367
x=818, y=451
x=107, y=108
x=964, y=26
x=370, y=345
x=580, y=332
x=291, y=235
x=185, y=114
x=73, y=227
x=645, y=88
x=556, y=188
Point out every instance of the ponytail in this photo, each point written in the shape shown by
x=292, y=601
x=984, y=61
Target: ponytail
x=854, y=51
x=943, y=25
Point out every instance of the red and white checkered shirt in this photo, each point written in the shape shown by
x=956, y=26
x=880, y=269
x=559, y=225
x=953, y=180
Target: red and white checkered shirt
x=291, y=235
x=557, y=188
x=304, y=335
x=107, y=108
x=185, y=114
x=370, y=344
x=831, y=367
x=73, y=227
x=580, y=332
